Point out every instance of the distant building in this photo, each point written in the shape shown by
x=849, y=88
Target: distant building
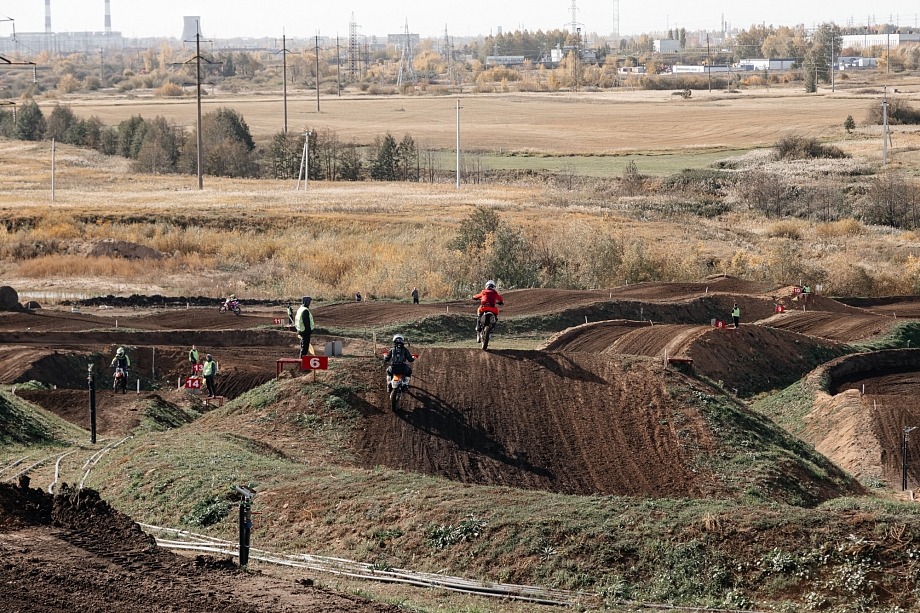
x=398, y=39
x=31, y=43
x=699, y=69
x=632, y=70
x=667, y=45
x=862, y=41
x=505, y=60
x=856, y=63
x=776, y=63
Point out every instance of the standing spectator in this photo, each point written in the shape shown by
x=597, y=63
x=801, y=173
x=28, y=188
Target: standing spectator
x=303, y=321
x=358, y=297
x=193, y=358
x=736, y=315
x=414, y=295
x=806, y=293
x=290, y=314
x=208, y=372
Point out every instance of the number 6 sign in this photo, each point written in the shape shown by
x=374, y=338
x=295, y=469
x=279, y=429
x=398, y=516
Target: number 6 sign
x=314, y=362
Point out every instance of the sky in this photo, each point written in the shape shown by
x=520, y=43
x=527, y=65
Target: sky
x=232, y=18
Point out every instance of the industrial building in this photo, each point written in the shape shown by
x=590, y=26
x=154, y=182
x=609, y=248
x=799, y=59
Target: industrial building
x=666, y=45
x=863, y=41
x=31, y=43
x=775, y=63
x=505, y=60
x=699, y=69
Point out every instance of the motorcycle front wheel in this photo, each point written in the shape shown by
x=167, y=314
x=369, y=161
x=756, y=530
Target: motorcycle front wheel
x=223, y=308
x=395, y=397
x=236, y=310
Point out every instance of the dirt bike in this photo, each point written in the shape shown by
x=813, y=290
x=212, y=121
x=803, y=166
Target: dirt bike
x=396, y=386
x=230, y=305
x=487, y=323
x=121, y=380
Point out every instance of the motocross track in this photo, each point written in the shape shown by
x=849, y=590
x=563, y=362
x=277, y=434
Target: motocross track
x=891, y=306
x=863, y=433
x=750, y=360
x=574, y=423
x=566, y=423
x=832, y=326
x=73, y=552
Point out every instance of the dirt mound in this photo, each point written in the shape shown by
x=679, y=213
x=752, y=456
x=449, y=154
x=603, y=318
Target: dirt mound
x=787, y=297
x=656, y=291
x=46, y=320
x=845, y=328
x=749, y=360
x=863, y=433
x=110, y=247
x=591, y=337
x=574, y=423
x=115, y=413
x=900, y=306
x=9, y=298
x=74, y=552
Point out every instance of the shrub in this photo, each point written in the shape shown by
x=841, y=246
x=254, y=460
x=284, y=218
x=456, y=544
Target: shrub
x=837, y=229
x=170, y=90
x=632, y=183
x=68, y=84
x=849, y=125
x=899, y=112
x=786, y=228
x=801, y=148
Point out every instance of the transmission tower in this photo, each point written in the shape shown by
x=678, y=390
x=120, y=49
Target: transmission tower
x=354, y=51
x=407, y=62
x=448, y=56
x=574, y=23
x=616, y=23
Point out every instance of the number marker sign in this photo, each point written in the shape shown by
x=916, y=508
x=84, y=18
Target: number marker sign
x=780, y=308
x=197, y=367
x=720, y=323
x=192, y=383
x=796, y=290
x=279, y=321
x=314, y=362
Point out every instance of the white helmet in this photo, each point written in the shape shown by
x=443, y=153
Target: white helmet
x=399, y=340
x=120, y=352
x=490, y=284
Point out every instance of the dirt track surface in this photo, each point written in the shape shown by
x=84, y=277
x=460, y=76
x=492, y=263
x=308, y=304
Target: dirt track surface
x=845, y=328
x=751, y=359
x=116, y=413
x=900, y=306
x=73, y=552
x=576, y=423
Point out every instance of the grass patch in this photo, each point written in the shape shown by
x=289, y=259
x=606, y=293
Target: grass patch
x=22, y=423
x=899, y=336
x=788, y=407
x=159, y=414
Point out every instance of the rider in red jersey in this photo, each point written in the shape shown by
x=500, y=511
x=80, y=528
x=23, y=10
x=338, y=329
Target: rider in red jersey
x=488, y=299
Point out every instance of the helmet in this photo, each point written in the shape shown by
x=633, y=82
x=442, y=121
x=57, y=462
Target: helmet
x=306, y=300
x=232, y=296
x=490, y=284
x=209, y=357
x=398, y=339
x=120, y=352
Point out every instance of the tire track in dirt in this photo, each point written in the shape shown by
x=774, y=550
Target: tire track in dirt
x=833, y=326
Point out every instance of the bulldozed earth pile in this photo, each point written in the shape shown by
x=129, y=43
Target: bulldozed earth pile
x=74, y=552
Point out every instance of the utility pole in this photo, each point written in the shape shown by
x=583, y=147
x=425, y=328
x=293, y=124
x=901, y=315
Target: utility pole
x=102, y=64
x=458, y=143
x=885, y=128
x=284, y=51
x=833, y=45
x=197, y=59
x=304, y=159
x=575, y=57
x=338, y=67
x=52, y=170
x=888, y=56
x=709, y=61
x=904, y=458
x=317, y=73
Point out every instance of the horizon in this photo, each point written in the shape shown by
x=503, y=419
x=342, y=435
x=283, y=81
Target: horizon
x=476, y=18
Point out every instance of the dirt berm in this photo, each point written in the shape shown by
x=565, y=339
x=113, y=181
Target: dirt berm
x=73, y=552
x=751, y=360
x=863, y=433
x=574, y=423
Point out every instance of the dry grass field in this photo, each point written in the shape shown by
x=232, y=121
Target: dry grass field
x=260, y=238
x=563, y=123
